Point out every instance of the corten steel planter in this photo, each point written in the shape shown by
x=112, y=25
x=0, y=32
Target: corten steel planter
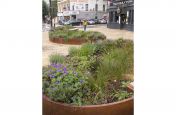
x=124, y=107
x=69, y=41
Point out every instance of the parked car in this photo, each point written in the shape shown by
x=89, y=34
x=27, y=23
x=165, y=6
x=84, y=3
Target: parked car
x=91, y=22
x=72, y=22
x=95, y=20
x=67, y=22
x=61, y=22
x=102, y=21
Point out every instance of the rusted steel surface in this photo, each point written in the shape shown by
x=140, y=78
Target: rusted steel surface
x=124, y=107
x=69, y=41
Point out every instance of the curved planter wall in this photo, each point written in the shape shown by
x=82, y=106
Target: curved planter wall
x=124, y=107
x=70, y=41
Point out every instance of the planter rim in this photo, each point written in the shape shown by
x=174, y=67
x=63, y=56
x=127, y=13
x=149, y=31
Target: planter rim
x=73, y=41
x=88, y=106
x=84, y=39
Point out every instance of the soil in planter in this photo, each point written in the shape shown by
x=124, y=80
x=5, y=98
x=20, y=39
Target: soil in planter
x=115, y=91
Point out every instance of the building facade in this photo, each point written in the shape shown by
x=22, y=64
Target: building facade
x=81, y=9
x=121, y=14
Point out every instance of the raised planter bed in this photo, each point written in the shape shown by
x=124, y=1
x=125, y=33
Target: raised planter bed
x=69, y=41
x=89, y=81
x=124, y=107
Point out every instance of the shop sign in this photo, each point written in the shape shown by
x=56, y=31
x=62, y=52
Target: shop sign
x=123, y=3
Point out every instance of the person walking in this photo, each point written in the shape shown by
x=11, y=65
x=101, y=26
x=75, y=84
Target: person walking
x=85, y=24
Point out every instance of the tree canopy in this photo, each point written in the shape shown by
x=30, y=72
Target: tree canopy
x=45, y=9
x=54, y=8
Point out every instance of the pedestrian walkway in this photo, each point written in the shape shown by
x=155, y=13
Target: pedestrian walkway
x=49, y=48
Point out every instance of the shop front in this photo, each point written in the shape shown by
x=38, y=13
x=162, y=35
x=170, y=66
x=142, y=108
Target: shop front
x=121, y=14
x=67, y=15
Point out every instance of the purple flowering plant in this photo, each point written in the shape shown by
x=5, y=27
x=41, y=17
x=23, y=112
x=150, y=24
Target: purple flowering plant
x=64, y=84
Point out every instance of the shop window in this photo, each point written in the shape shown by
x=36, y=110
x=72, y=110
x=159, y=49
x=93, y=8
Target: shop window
x=110, y=16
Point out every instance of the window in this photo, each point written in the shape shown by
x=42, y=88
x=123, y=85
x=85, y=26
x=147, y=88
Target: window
x=86, y=5
x=103, y=7
x=96, y=7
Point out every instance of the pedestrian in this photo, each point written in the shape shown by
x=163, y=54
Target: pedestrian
x=85, y=24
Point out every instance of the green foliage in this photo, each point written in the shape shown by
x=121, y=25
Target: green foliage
x=104, y=47
x=125, y=44
x=54, y=8
x=66, y=33
x=73, y=51
x=56, y=58
x=76, y=34
x=64, y=85
x=45, y=9
x=93, y=75
x=120, y=95
x=65, y=27
x=112, y=66
x=85, y=50
x=95, y=36
x=80, y=64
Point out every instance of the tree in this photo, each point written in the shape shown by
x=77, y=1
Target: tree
x=45, y=10
x=54, y=8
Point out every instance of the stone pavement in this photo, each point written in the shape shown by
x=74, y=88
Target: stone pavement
x=49, y=48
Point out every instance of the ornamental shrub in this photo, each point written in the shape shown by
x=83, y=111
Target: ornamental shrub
x=56, y=58
x=112, y=66
x=64, y=84
x=90, y=74
x=94, y=36
x=85, y=50
x=65, y=33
